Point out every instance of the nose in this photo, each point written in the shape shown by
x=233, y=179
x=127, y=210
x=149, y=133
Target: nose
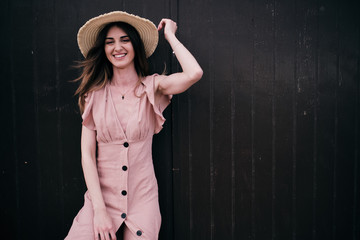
x=118, y=45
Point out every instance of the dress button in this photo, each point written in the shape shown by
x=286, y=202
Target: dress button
x=123, y=215
x=124, y=168
x=123, y=192
x=126, y=144
x=138, y=233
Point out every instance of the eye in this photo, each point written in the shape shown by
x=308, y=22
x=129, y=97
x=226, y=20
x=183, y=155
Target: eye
x=109, y=42
x=125, y=39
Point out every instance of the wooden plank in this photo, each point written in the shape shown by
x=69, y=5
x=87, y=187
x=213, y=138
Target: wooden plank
x=182, y=168
x=243, y=91
x=182, y=149
x=241, y=99
x=220, y=35
x=263, y=118
x=348, y=37
x=284, y=89
x=327, y=84
x=8, y=166
x=306, y=114
x=356, y=210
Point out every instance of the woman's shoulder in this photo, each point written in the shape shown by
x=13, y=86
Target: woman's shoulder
x=95, y=92
x=151, y=80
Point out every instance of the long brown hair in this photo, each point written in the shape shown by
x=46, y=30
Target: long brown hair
x=97, y=71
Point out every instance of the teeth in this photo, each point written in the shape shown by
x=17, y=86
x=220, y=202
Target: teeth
x=120, y=55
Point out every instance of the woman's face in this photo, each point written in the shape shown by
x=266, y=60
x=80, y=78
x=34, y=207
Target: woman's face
x=118, y=48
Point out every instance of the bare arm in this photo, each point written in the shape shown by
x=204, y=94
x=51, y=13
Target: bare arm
x=192, y=72
x=103, y=225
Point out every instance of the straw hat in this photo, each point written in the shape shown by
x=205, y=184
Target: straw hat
x=89, y=31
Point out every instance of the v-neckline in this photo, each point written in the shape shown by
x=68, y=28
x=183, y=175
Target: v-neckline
x=116, y=114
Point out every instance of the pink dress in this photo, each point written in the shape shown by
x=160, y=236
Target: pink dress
x=124, y=163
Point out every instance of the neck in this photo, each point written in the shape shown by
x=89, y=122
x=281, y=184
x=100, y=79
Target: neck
x=124, y=77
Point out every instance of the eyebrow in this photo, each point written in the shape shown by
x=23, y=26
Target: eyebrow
x=122, y=37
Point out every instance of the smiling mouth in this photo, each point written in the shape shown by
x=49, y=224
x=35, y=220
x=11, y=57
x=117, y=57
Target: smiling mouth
x=117, y=56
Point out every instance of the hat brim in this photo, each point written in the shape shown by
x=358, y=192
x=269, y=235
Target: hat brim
x=90, y=30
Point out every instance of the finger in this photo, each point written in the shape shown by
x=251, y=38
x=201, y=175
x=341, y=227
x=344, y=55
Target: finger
x=97, y=235
x=112, y=235
x=107, y=236
x=104, y=236
x=161, y=24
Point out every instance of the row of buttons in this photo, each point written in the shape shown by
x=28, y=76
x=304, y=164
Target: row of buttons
x=124, y=168
x=124, y=193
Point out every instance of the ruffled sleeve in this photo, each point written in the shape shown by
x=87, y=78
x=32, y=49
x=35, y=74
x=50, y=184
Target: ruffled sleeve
x=162, y=102
x=87, y=116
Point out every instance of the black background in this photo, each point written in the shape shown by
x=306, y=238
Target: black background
x=265, y=146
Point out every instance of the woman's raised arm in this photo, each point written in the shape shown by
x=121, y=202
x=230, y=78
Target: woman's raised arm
x=192, y=72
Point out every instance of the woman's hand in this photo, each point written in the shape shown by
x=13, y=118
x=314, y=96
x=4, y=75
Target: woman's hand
x=169, y=27
x=103, y=226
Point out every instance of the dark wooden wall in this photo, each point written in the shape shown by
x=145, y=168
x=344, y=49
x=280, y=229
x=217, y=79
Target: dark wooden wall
x=265, y=146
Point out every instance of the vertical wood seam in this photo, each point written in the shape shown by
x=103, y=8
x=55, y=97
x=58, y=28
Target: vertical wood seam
x=13, y=113
x=58, y=109
x=37, y=123
x=294, y=102
x=336, y=124
x=173, y=65
x=211, y=126
x=273, y=224
x=232, y=127
x=316, y=104
x=253, y=227
x=191, y=223
x=356, y=224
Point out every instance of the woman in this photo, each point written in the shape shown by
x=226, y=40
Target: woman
x=122, y=108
